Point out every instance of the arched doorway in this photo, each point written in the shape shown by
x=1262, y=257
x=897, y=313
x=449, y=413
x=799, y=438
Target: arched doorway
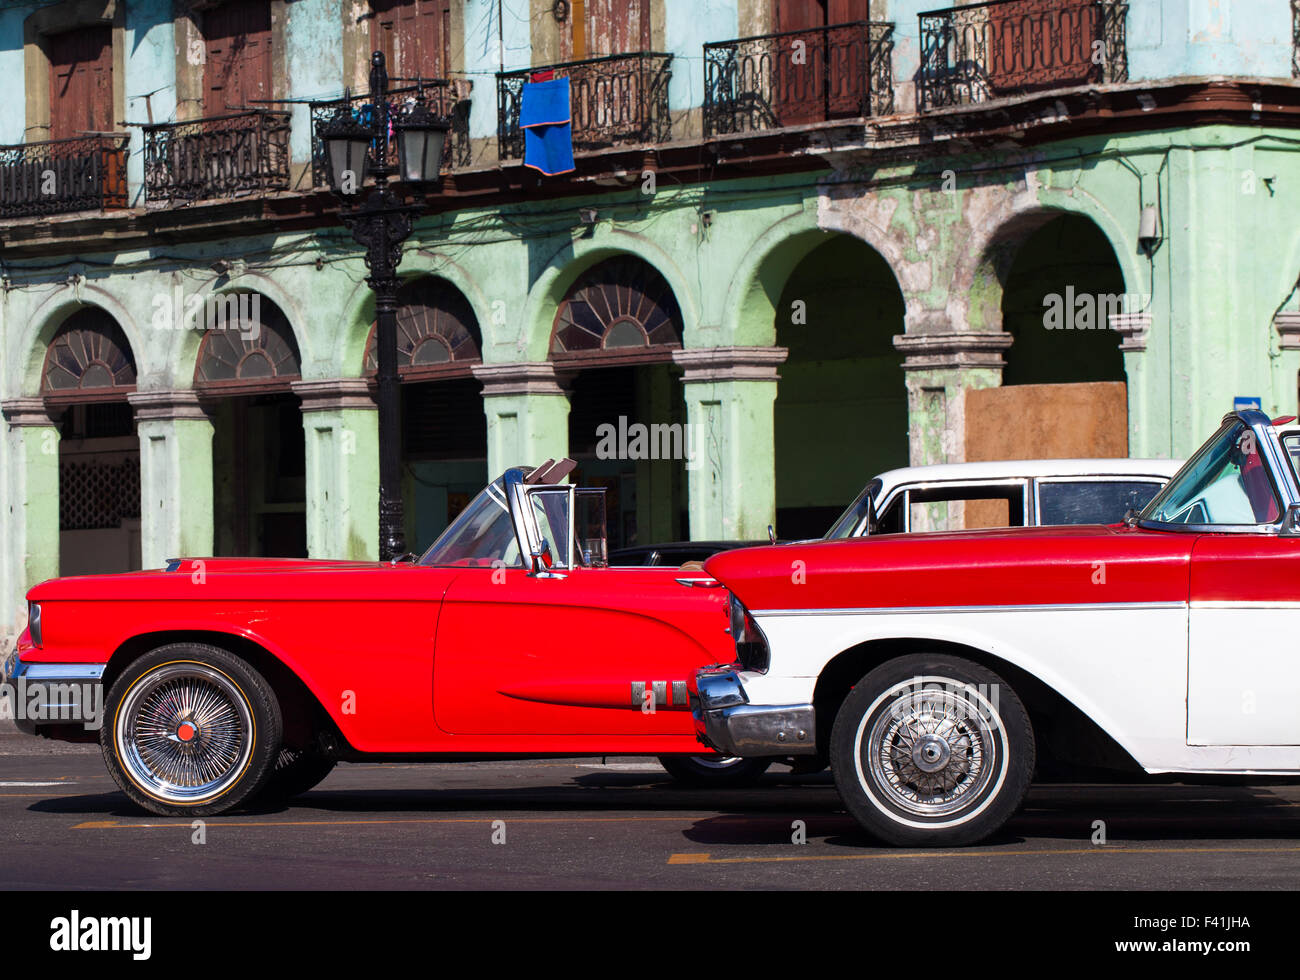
x=613, y=338
x=1061, y=284
x=841, y=404
x=444, y=430
x=1065, y=268
x=89, y=371
x=245, y=368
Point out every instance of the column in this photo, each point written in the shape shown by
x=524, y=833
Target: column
x=731, y=481
x=175, y=476
x=527, y=414
x=31, y=521
x=341, y=425
x=939, y=368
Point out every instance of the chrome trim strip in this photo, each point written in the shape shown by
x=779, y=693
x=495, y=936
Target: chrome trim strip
x=64, y=672
x=937, y=610
x=1245, y=604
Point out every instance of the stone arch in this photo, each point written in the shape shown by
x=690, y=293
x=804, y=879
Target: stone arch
x=50, y=315
x=360, y=307
x=187, y=356
x=570, y=261
x=759, y=280
x=975, y=297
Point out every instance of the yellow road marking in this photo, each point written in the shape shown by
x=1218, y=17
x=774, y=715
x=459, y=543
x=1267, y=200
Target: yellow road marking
x=697, y=858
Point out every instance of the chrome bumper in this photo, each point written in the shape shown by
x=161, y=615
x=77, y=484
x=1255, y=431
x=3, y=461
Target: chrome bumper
x=726, y=722
x=51, y=694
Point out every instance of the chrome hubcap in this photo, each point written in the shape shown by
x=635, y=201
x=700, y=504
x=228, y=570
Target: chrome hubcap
x=184, y=733
x=931, y=751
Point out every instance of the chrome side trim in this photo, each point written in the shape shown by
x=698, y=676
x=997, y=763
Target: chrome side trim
x=954, y=610
x=64, y=672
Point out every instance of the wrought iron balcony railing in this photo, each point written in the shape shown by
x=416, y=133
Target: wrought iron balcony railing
x=984, y=51
x=447, y=99
x=798, y=77
x=617, y=100
x=85, y=173
x=246, y=152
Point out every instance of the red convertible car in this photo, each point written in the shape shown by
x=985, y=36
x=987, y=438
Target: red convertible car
x=213, y=681
x=938, y=673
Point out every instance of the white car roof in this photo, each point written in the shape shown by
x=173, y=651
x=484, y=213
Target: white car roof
x=1028, y=468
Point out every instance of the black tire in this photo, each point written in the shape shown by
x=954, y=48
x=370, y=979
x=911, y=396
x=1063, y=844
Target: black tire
x=184, y=712
x=932, y=750
x=295, y=772
x=714, y=771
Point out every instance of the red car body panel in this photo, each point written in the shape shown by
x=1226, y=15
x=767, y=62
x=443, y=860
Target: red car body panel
x=409, y=659
x=1020, y=566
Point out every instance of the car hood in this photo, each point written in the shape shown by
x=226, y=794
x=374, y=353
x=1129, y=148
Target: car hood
x=995, y=567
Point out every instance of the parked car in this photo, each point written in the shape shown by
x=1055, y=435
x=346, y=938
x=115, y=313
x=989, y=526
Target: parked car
x=1012, y=493
x=933, y=671
x=223, y=679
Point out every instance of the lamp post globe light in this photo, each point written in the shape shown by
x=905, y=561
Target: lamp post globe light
x=357, y=149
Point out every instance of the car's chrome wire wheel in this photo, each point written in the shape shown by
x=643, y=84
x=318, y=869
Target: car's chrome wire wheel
x=931, y=749
x=184, y=733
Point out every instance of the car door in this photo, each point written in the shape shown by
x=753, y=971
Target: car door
x=1243, y=658
x=585, y=651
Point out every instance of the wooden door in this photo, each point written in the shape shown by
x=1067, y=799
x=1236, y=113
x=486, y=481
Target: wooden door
x=414, y=36
x=81, y=82
x=237, y=66
x=798, y=62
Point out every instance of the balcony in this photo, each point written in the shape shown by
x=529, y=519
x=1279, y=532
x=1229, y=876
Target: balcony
x=615, y=101
x=85, y=173
x=983, y=51
x=220, y=157
x=797, y=78
x=448, y=100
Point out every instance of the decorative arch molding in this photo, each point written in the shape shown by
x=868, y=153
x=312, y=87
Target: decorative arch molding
x=45, y=321
x=359, y=315
x=256, y=353
x=438, y=334
x=186, y=357
x=620, y=310
x=88, y=359
x=570, y=261
x=975, y=297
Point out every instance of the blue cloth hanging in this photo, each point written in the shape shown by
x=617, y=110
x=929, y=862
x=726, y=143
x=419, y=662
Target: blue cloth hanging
x=546, y=120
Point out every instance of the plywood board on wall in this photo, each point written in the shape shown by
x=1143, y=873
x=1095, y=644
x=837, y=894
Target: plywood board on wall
x=1063, y=421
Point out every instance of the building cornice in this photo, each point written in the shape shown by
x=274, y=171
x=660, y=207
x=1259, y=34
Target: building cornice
x=334, y=394
x=966, y=349
x=712, y=364
x=522, y=378
x=167, y=406
x=29, y=411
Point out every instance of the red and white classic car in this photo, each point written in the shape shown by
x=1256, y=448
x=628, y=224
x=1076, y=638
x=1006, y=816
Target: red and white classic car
x=215, y=680
x=937, y=673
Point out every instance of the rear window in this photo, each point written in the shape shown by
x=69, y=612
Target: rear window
x=1092, y=501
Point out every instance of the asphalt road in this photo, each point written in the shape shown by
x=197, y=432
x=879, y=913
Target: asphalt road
x=584, y=824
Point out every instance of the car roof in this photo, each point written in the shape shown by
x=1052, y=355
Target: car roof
x=1029, y=468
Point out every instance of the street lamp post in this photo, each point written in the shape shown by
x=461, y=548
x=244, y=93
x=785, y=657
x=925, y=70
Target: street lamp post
x=381, y=225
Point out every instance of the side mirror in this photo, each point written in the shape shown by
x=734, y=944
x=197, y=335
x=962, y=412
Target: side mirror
x=1290, y=522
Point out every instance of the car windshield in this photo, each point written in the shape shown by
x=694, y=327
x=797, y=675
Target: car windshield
x=1225, y=483
x=848, y=523
x=481, y=534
